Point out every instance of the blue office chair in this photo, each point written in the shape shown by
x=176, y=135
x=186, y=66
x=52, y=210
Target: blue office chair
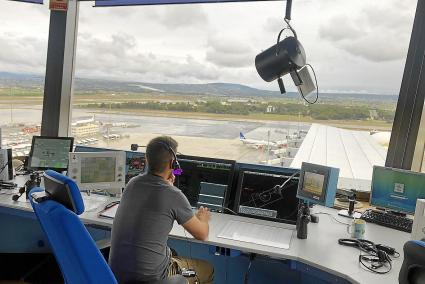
x=413, y=268
x=78, y=257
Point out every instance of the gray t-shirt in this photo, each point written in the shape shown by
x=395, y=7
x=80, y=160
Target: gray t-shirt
x=144, y=219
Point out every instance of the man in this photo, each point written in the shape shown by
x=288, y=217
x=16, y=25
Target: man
x=149, y=206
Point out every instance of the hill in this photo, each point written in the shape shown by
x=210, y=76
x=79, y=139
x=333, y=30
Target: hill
x=8, y=80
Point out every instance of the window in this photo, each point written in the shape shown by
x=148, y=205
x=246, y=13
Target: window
x=188, y=71
x=23, y=44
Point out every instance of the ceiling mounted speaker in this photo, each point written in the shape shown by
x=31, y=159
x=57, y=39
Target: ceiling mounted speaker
x=280, y=59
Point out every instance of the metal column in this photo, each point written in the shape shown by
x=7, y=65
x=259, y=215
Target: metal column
x=58, y=86
x=411, y=99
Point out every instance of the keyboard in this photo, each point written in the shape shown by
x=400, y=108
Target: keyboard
x=258, y=234
x=388, y=220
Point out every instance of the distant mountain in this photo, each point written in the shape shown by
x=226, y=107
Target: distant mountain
x=211, y=89
x=20, y=80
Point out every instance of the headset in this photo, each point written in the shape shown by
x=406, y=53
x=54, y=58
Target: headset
x=177, y=170
x=378, y=257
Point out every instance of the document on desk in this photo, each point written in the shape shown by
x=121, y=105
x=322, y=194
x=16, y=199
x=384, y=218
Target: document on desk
x=109, y=212
x=258, y=234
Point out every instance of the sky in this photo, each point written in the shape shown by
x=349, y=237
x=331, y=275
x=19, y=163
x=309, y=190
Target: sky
x=354, y=46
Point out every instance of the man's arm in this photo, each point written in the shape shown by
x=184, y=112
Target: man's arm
x=198, y=226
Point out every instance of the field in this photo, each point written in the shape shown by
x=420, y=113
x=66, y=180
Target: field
x=346, y=114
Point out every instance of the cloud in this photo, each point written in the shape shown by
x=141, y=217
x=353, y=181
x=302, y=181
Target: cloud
x=22, y=53
x=229, y=52
x=120, y=57
x=376, y=32
x=274, y=25
x=175, y=17
x=363, y=49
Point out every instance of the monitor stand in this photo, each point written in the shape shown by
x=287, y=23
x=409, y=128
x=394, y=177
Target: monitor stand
x=350, y=213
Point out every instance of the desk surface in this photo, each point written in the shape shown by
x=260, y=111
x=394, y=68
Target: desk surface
x=320, y=250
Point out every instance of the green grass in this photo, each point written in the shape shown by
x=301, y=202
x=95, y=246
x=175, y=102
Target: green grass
x=350, y=124
x=34, y=96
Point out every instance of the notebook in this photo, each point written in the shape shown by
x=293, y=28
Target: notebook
x=109, y=212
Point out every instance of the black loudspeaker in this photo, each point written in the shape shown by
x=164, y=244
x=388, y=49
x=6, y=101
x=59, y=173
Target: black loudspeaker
x=280, y=59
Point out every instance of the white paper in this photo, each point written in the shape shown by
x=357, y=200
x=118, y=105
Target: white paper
x=258, y=234
x=110, y=212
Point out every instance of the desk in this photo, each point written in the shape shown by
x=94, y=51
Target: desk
x=320, y=250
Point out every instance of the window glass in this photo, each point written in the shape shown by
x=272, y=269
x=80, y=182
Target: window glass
x=23, y=45
x=188, y=71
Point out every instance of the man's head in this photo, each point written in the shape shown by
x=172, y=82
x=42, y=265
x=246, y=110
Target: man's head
x=158, y=154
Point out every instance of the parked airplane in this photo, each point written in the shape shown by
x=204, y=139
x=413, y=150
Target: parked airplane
x=259, y=144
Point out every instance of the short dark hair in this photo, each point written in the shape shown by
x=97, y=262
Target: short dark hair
x=158, y=154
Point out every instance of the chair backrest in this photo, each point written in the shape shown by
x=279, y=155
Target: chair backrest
x=413, y=268
x=76, y=253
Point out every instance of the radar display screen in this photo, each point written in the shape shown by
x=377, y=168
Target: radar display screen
x=261, y=195
x=134, y=164
x=197, y=170
x=97, y=169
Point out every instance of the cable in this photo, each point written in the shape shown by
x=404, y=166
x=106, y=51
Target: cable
x=225, y=269
x=291, y=28
x=288, y=27
x=251, y=258
x=373, y=257
x=373, y=262
x=230, y=210
x=289, y=179
x=317, y=88
x=190, y=256
x=278, y=39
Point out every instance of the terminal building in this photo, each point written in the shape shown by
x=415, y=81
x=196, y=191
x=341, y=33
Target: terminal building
x=336, y=207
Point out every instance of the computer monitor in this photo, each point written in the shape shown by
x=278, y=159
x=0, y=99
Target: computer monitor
x=318, y=184
x=212, y=196
x=201, y=175
x=135, y=161
x=98, y=171
x=268, y=193
x=135, y=164
x=50, y=153
x=396, y=189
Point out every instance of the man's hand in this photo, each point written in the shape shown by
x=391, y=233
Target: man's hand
x=203, y=214
x=171, y=179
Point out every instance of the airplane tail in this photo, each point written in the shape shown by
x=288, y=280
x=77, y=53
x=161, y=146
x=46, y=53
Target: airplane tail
x=241, y=136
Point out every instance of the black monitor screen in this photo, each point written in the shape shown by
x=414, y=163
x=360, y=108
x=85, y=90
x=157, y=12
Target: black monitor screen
x=261, y=195
x=197, y=170
x=50, y=153
x=59, y=192
x=135, y=164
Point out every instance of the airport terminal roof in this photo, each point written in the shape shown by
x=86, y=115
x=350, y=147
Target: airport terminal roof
x=353, y=152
